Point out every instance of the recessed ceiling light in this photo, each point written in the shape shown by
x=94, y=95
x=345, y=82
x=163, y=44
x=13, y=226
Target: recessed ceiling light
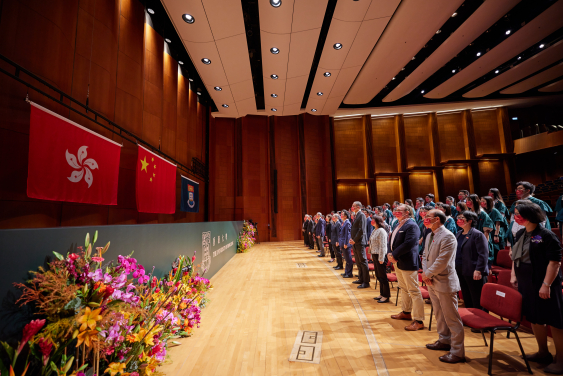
x=542, y=45
x=507, y=32
x=327, y=74
x=455, y=14
x=188, y=18
x=218, y=88
x=198, y=92
x=453, y=70
x=191, y=79
x=274, y=76
x=206, y=61
x=167, y=40
x=402, y=69
x=275, y=50
x=439, y=31
x=225, y=105
x=514, y=118
x=422, y=92
x=320, y=93
x=181, y=62
x=337, y=46
x=313, y=110
x=150, y=10
x=478, y=53
x=273, y=95
x=274, y=109
x=393, y=78
x=519, y=57
x=275, y=3
x=413, y=58
x=497, y=71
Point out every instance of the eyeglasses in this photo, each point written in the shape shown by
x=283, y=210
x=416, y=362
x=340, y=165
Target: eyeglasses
x=460, y=217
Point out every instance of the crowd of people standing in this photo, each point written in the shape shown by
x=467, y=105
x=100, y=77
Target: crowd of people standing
x=451, y=247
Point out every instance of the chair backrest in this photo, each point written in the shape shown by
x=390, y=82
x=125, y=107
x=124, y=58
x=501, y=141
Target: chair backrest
x=502, y=300
x=503, y=278
x=503, y=259
x=368, y=255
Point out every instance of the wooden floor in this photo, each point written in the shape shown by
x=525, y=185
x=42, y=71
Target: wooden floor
x=261, y=299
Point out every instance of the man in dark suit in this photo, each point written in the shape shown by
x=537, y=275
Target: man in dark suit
x=310, y=233
x=358, y=238
x=320, y=233
x=328, y=232
x=304, y=230
x=403, y=252
x=335, y=234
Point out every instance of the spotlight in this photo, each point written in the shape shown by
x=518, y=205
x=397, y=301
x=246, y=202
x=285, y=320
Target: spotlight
x=393, y=78
x=150, y=10
x=519, y=57
x=191, y=79
x=167, y=40
x=455, y=14
x=198, y=92
x=453, y=70
x=274, y=95
x=225, y=105
x=478, y=53
x=422, y=92
x=337, y=46
x=497, y=71
x=542, y=45
x=188, y=18
x=438, y=32
x=274, y=109
x=319, y=93
x=275, y=3
x=218, y=88
x=274, y=76
x=275, y=50
x=327, y=74
x=414, y=57
x=514, y=118
x=507, y=32
x=181, y=62
x=313, y=110
x=206, y=61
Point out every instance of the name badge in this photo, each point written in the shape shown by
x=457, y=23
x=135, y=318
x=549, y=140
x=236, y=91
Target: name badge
x=500, y=293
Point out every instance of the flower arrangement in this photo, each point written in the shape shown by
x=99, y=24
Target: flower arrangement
x=104, y=318
x=246, y=237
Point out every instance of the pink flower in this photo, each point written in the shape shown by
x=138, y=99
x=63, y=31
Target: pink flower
x=193, y=258
x=45, y=346
x=73, y=256
x=29, y=331
x=97, y=259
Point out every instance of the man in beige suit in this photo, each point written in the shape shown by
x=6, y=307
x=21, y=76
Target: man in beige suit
x=438, y=265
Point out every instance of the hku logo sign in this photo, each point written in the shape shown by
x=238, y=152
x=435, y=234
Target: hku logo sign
x=205, y=243
x=191, y=201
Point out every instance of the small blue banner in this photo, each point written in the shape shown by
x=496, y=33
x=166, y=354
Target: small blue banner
x=190, y=196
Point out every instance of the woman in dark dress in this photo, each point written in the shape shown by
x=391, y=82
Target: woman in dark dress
x=536, y=256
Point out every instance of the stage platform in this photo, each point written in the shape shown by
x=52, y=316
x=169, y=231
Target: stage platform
x=262, y=299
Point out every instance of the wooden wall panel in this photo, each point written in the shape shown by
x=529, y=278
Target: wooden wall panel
x=455, y=179
x=346, y=194
x=451, y=136
x=388, y=190
x=487, y=138
x=349, y=148
x=420, y=184
x=417, y=141
x=222, y=169
x=384, y=145
x=491, y=175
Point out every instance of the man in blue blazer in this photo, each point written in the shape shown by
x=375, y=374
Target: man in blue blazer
x=335, y=234
x=343, y=242
x=403, y=250
x=320, y=233
x=358, y=238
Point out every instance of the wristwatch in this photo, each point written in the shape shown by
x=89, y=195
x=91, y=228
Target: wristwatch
x=546, y=284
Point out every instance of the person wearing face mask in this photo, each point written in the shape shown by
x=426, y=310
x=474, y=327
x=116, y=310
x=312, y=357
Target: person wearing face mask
x=311, y=232
x=451, y=202
x=378, y=249
x=358, y=240
x=484, y=222
x=438, y=272
x=472, y=259
x=499, y=202
x=463, y=195
x=500, y=224
x=388, y=214
x=403, y=250
x=334, y=237
x=460, y=208
x=320, y=233
x=304, y=230
x=423, y=230
x=450, y=222
x=328, y=232
x=419, y=204
x=343, y=242
x=430, y=200
x=536, y=256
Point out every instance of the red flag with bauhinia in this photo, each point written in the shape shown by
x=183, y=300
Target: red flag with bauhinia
x=156, y=183
x=68, y=162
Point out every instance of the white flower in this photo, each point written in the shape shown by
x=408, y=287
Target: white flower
x=83, y=168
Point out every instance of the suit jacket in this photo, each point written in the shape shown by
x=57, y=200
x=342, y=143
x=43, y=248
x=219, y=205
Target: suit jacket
x=329, y=230
x=344, y=235
x=335, y=232
x=309, y=228
x=405, y=246
x=472, y=253
x=438, y=261
x=358, y=231
x=320, y=229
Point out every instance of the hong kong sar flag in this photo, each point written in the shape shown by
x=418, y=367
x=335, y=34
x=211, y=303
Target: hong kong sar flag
x=68, y=162
x=156, y=183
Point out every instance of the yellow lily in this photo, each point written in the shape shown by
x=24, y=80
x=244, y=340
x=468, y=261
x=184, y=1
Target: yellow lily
x=89, y=319
x=115, y=368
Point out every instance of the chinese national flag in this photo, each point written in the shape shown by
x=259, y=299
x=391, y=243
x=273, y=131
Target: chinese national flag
x=156, y=183
x=68, y=162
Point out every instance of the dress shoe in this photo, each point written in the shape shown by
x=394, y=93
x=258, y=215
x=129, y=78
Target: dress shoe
x=331, y=260
x=347, y=276
x=553, y=368
x=384, y=300
x=543, y=359
x=320, y=256
x=451, y=358
x=378, y=297
x=438, y=346
x=414, y=326
x=402, y=316
x=357, y=282
x=363, y=286
x=338, y=268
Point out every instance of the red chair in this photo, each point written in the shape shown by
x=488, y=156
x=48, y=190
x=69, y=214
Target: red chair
x=503, y=278
x=504, y=262
x=500, y=300
x=426, y=295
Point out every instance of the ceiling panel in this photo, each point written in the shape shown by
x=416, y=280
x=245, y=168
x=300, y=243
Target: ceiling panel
x=275, y=63
x=242, y=90
x=340, y=32
x=345, y=78
x=212, y=74
x=292, y=109
x=225, y=18
x=234, y=55
x=482, y=19
x=541, y=60
x=537, y=29
x=220, y=97
x=536, y=80
x=410, y=28
x=302, y=47
x=199, y=31
x=276, y=20
x=381, y=8
x=367, y=36
x=331, y=105
x=308, y=14
x=350, y=11
x=552, y=88
x=294, y=89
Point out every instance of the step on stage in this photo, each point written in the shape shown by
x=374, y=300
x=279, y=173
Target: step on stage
x=262, y=300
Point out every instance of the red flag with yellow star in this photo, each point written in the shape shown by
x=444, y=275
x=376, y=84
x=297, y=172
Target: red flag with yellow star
x=156, y=183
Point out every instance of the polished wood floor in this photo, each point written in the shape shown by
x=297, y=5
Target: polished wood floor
x=261, y=299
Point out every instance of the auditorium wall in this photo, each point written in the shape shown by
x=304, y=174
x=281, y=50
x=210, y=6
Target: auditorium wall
x=112, y=46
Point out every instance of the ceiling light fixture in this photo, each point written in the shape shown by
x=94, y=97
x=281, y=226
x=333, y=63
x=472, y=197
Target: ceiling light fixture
x=274, y=76
x=514, y=118
x=191, y=79
x=414, y=57
x=497, y=71
x=181, y=62
x=275, y=50
x=455, y=14
x=327, y=74
x=438, y=32
x=337, y=46
x=198, y=92
x=167, y=40
x=393, y=78
x=274, y=95
x=218, y=88
x=226, y=105
x=206, y=61
x=150, y=10
x=478, y=53
x=274, y=109
x=542, y=45
x=275, y=3
x=453, y=70
x=320, y=93
x=422, y=92
x=188, y=18
x=313, y=110
x=519, y=57
x=507, y=32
